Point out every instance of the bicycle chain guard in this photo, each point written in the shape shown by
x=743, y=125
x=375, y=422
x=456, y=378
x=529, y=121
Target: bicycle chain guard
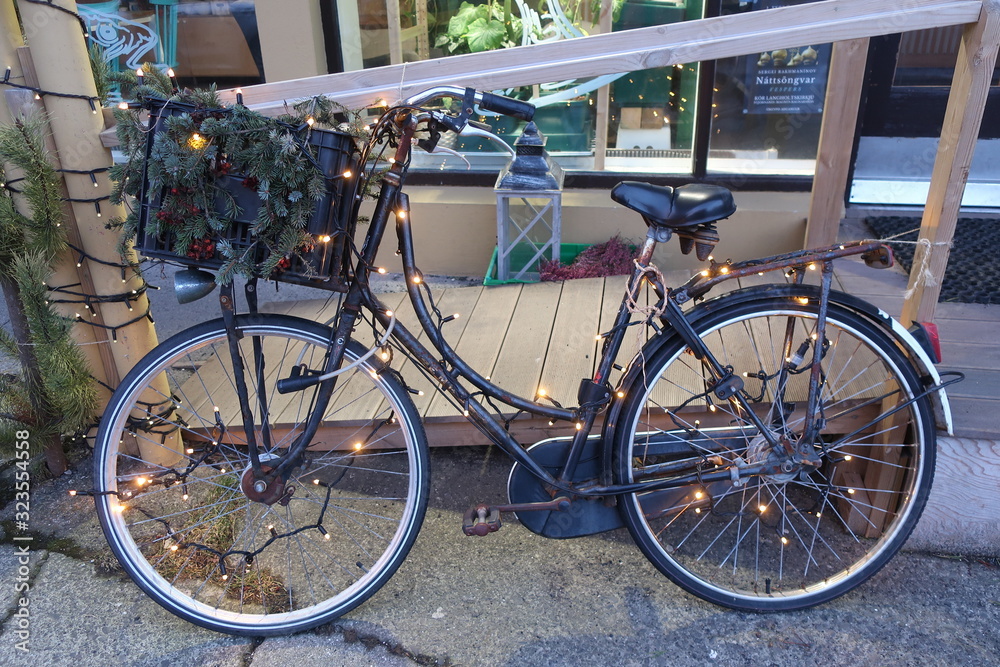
x=585, y=516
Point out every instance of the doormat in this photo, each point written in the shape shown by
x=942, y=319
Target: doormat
x=972, y=275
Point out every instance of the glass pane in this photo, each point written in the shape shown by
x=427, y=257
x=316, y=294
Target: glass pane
x=652, y=112
x=767, y=108
x=927, y=57
x=652, y=116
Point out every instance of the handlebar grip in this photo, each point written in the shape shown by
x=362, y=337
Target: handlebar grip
x=507, y=106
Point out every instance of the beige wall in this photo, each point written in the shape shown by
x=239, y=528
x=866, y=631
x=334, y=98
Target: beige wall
x=455, y=228
x=291, y=39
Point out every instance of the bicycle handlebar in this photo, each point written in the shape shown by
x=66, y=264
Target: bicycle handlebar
x=487, y=101
x=506, y=106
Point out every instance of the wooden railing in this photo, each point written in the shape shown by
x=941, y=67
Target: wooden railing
x=627, y=50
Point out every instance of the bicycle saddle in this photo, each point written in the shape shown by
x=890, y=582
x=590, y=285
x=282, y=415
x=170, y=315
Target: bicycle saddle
x=675, y=208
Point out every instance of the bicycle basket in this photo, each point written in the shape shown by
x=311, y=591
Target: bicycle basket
x=324, y=263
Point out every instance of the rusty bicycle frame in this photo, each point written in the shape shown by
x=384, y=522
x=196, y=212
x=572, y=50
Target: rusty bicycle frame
x=595, y=393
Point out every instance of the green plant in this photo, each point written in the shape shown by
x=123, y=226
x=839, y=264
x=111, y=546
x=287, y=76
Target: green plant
x=483, y=27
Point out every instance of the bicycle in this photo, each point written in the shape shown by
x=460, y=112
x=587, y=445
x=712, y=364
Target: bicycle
x=767, y=449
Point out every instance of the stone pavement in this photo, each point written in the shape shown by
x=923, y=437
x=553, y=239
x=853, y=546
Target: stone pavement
x=512, y=598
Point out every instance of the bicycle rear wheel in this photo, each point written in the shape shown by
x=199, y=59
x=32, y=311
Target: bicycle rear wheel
x=792, y=539
x=176, y=498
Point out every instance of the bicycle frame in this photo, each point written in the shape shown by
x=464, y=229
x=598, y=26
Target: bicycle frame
x=595, y=394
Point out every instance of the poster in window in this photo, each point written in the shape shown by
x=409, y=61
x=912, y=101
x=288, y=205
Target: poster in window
x=789, y=80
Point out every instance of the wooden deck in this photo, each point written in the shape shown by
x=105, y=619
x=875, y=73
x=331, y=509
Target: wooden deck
x=526, y=337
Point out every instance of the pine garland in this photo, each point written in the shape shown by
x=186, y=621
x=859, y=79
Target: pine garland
x=64, y=398
x=193, y=154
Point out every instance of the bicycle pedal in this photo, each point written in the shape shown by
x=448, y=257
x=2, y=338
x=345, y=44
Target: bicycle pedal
x=481, y=520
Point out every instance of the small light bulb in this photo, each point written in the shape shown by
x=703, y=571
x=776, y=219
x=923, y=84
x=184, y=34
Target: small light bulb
x=620, y=394
x=848, y=457
x=401, y=215
x=705, y=273
x=541, y=391
x=190, y=450
x=172, y=74
x=762, y=508
x=812, y=267
x=348, y=173
x=173, y=547
x=579, y=426
x=316, y=482
x=416, y=280
x=388, y=313
x=381, y=270
x=327, y=536
x=697, y=510
x=724, y=270
x=699, y=494
x=310, y=121
x=851, y=491
x=139, y=73
x=185, y=497
x=784, y=540
x=358, y=446
x=123, y=105
x=598, y=337
x=72, y=492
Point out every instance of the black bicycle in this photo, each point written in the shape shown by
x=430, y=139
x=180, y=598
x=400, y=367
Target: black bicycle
x=768, y=449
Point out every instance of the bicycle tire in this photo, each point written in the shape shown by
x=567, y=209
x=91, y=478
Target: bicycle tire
x=784, y=541
x=179, y=520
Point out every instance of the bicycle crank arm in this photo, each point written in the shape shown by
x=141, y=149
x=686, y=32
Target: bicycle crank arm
x=482, y=520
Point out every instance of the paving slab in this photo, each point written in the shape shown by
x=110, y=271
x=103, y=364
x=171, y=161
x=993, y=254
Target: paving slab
x=511, y=598
x=82, y=619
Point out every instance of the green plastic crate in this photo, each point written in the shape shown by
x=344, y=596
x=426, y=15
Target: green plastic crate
x=521, y=254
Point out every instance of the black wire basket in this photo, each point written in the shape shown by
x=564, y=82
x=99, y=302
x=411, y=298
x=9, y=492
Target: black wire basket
x=326, y=264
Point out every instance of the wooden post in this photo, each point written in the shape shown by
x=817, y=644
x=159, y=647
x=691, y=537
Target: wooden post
x=970, y=85
x=61, y=64
x=13, y=103
x=833, y=156
x=603, y=99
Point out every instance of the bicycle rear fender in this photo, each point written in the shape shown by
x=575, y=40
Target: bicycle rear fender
x=918, y=356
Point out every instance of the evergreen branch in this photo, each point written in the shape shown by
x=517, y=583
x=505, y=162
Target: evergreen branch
x=23, y=145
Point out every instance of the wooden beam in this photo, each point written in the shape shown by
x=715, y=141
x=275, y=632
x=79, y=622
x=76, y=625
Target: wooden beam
x=833, y=157
x=395, y=38
x=624, y=51
x=977, y=56
x=603, y=110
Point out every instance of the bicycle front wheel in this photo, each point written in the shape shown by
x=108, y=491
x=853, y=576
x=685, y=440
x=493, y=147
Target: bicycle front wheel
x=176, y=495
x=799, y=536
